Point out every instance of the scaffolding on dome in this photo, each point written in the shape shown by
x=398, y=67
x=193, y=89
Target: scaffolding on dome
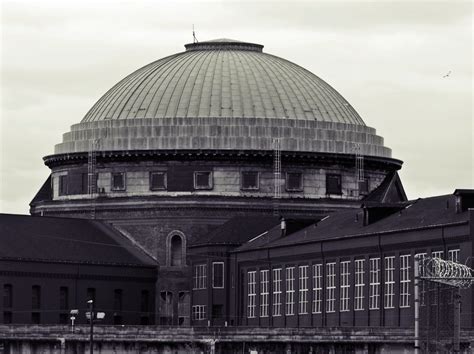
x=438, y=305
x=276, y=176
x=91, y=174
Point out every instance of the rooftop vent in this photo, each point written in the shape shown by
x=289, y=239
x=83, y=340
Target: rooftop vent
x=464, y=199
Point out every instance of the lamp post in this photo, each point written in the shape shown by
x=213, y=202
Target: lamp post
x=91, y=319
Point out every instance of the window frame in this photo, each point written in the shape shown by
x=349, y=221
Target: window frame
x=333, y=175
x=200, y=278
x=345, y=273
x=405, y=261
x=317, y=288
x=290, y=291
x=277, y=281
x=251, y=293
x=264, y=292
x=374, y=283
x=210, y=180
x=214, y=277
x=359, y=285
x=199, y=312
x=118, y=189
x=62, y=185
x=287, y=179
x=242, y=187
x=303, y=289
x=165, y=181
x=389, y=282
x=331, y=287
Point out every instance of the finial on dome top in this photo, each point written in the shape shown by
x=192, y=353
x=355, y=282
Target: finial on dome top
x=222, y=44
x=195, y=40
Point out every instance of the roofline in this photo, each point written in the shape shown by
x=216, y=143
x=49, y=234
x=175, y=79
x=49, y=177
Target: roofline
x=56, y=261
x=386, y=232
x=218, y=154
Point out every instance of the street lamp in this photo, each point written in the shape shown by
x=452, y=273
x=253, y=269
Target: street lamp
x=91, y=320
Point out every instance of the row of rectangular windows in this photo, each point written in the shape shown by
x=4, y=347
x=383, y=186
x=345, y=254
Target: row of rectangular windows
x=250, y=180
x=8, y=297
x=331, y=286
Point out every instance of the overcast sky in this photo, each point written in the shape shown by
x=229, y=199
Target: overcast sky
x=387, y=59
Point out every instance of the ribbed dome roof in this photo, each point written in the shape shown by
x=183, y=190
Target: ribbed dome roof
x=223, y=78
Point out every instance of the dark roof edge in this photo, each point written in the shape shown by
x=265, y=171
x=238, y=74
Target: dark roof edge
x=40, y=260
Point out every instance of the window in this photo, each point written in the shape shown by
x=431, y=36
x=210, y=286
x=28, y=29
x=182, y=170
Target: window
x=118, y=181
x=63, y=298
x=217, y=311
x=157, y=181
x=345, y=285
x=203, y=180
x=62, y=185
x=453, y=255
x=35, y=297
x=290, y=291
x=330, y=287
x=374, y=290
x=303, y=270
x=264, y=290
x=200, y=276
x=389, y=282
x=249, y=180
x=7, y=295
x=118, y=295
x=218, y=275
x=145, y=301
x=277, y=292
x=363, y=186
x=317, y=288
x=294, y=181
x=437, y=254
x=176, y=251
x=199, y=312
x=251, y=291
x=405, y=280
x=333, y=184
x=7, y=317
x=359, y=285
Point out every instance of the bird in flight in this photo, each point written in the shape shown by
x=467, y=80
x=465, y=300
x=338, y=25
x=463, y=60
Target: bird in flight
x=448, y=74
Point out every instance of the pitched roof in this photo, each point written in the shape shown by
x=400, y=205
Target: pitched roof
x=419, y=213
x=40, y=238
x=238, y=230
x=389, y=191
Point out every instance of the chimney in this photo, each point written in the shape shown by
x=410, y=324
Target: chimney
x=283, y=227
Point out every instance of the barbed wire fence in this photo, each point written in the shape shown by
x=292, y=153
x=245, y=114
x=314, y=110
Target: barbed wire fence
x=438, y=285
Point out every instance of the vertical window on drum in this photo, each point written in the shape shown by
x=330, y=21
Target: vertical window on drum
x=330, y=287
x=264, y=293
x=62, y=185
x=317, y=288
x=249, y=180
x=203, y=180
x=303, y=270
x=251, y=294
x=294, y=181
x=389, y=282
x=118, y=181
x=158, y=181
x=405, y=280
x=290, y=291
x=277, y=292
x=359, y=285
x=333, y=184
x=345, y=286
x=374, y=290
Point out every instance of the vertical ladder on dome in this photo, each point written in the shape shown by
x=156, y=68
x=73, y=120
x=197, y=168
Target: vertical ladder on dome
x=276, y=176
x=359, y=163
x=91, y=175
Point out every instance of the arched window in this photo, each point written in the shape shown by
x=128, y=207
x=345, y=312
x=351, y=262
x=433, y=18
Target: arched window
x=176, y=251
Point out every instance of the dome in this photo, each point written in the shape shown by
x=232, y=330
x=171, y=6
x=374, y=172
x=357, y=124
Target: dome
x=223, y=78
x=223, y=95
